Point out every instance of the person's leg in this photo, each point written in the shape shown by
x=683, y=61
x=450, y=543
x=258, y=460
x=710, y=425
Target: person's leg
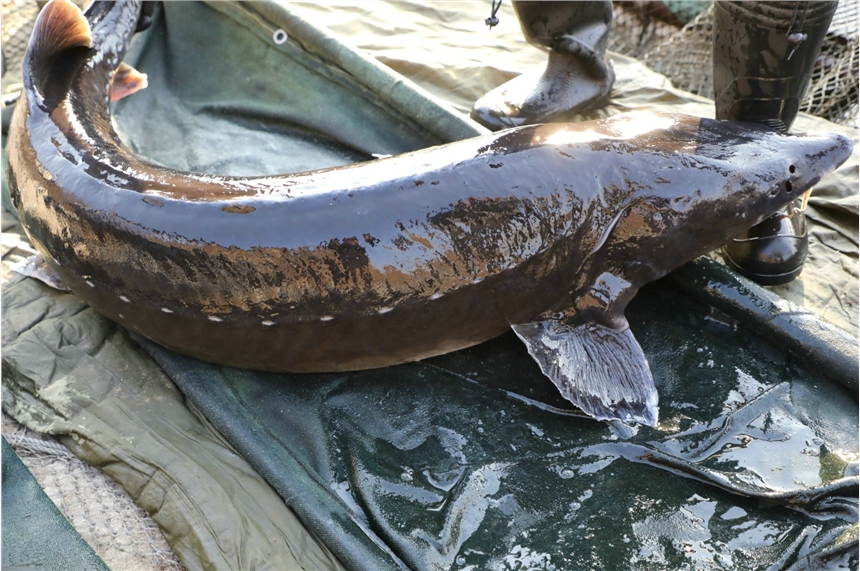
x=764, y=53
x=578, y=76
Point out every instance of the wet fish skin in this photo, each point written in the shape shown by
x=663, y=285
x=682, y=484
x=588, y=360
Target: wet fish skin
x=550, y=229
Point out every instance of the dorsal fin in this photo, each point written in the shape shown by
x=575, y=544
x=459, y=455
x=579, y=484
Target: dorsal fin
x=60, y=26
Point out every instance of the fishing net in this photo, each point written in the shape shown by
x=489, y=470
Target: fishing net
x=685, y=58
x=18, y=18
x=100, y=510
x=639, y=27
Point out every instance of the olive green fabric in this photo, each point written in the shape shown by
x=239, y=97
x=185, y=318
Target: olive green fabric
x=303, y=104
x=467, y=460
x=36, y=536
x=69, y=372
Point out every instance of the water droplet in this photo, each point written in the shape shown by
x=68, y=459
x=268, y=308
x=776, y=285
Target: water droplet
x=91, y=284
x=125, y=299
x=461, y=560
x=268, y=323
x=566, y=473
x=436, y=295
x=165, y=310
x=214, y=318
x=326, y=318
x=382, y=310
x=535, y=430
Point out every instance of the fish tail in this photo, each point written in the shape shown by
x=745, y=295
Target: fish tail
x=61, y=26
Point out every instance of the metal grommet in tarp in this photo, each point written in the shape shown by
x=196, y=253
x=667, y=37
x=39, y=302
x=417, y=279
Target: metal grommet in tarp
x=279, y=36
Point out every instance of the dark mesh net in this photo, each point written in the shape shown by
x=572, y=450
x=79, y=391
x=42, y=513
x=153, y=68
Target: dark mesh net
x=684, y=55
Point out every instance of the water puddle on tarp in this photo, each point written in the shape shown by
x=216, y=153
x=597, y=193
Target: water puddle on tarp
x=472, y=461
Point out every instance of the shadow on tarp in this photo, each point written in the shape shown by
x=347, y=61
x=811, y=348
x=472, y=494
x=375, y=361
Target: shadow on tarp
x=472, y=460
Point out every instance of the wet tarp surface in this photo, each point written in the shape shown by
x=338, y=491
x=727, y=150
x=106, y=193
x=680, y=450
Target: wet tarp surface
x=467, y=461
x=472, y=459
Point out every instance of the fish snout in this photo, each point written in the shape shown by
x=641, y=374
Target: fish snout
x=811, y=158
x=781, y=171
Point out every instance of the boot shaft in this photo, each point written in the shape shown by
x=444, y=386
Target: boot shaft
x=544, y=24
x=764, y=53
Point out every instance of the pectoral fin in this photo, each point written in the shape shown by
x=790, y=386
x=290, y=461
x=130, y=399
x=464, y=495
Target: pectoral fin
x=601, y=370
x=125, y=81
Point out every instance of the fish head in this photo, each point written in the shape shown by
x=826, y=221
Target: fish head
x=709, y=182
x=763, y=169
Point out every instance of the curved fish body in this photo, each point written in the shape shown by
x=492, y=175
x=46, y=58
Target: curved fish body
x=550, y=229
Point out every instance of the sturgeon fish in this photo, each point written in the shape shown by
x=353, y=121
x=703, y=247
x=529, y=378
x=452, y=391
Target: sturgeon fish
x=549, y=230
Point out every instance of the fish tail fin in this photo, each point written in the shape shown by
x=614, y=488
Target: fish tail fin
x=61, y=26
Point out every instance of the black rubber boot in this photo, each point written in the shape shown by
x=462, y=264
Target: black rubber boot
x=764, y=53
x=773, y=251
x=578, y=76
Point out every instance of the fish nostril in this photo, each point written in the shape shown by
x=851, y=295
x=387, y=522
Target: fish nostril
x=791, y=169
x=787, y=186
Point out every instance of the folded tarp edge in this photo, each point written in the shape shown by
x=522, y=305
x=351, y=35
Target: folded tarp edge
x=405, y=97
x=834, y=351
x=31, y=519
